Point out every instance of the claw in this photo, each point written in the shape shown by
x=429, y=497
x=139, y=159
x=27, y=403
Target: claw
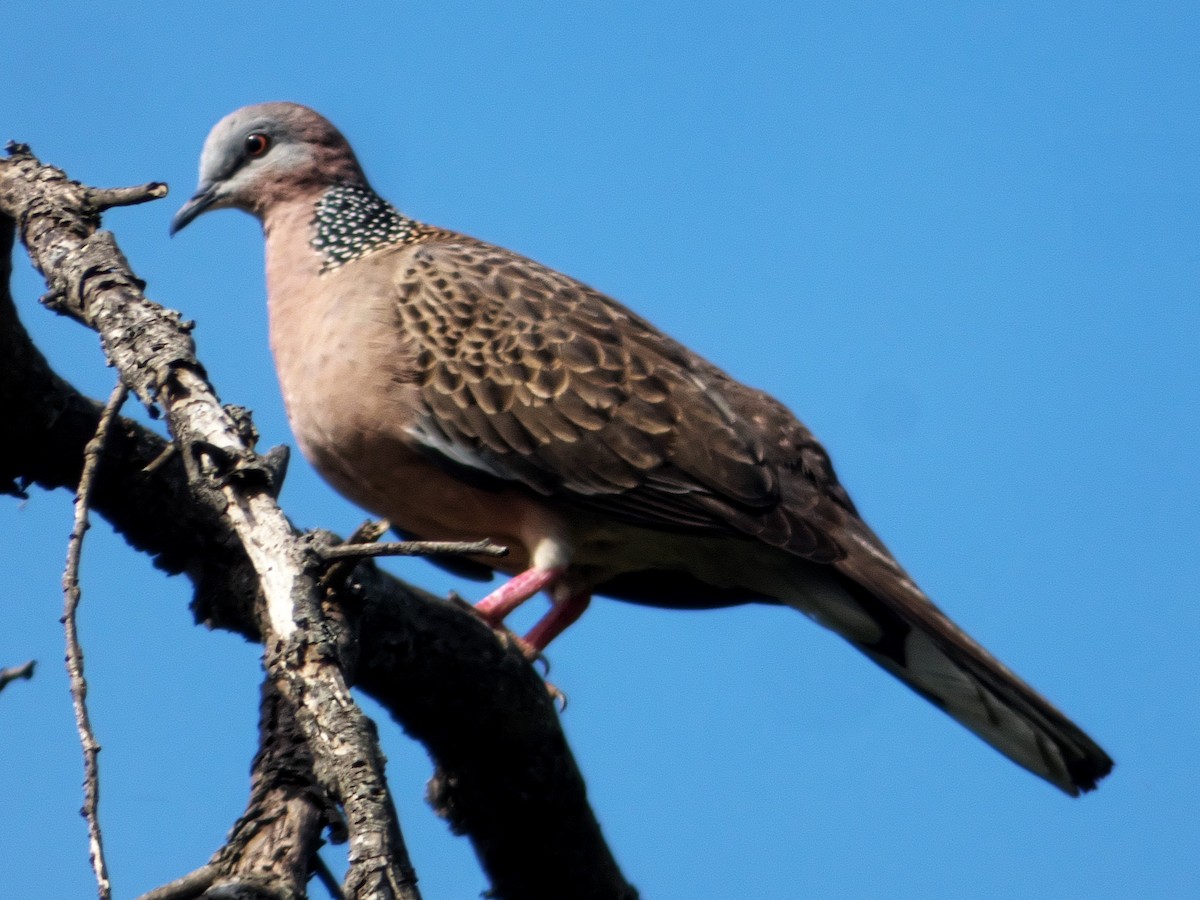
x=557, y=697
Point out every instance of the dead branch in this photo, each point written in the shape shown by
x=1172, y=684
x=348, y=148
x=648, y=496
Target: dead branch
x=97, y=200
x=413, y=548
x=153, y=354
x=23, y=672
x=272, y=848
x=506, y=777
x=92, y=454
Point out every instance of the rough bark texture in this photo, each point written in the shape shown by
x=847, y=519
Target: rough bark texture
x=154, y=357
x=506, y=777
x=271, y=849
x=280, y=831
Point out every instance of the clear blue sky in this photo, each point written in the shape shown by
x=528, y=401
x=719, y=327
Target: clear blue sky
x=959, y=240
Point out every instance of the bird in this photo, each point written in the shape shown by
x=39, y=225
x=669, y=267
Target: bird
x=465, y=392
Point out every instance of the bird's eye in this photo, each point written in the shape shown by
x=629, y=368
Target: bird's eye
x=257, y=144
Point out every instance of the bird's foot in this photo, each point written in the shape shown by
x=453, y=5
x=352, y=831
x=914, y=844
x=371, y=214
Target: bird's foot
x=506, y=635
x=562, y=614
x=533, y=645
x=496, y=606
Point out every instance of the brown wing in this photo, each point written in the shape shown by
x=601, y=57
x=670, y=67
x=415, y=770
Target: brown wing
x=530, y=376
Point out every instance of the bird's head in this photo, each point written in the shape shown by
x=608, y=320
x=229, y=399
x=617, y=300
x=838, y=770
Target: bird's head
x=260, y=155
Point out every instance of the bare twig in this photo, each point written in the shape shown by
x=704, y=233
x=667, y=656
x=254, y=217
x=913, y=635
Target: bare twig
x=369, y=531
x=12, y=673
x=71, y=596
x=99, y=199
x=161, y=460
x=414, y=548
x=334, y=577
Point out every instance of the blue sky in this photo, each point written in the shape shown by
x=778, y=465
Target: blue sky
x=959, y=240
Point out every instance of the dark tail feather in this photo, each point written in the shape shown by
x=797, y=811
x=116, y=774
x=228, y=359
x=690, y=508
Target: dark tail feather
x=918, y=643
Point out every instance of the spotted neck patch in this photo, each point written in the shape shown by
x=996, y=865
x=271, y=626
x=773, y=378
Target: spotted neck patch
x=350, y=221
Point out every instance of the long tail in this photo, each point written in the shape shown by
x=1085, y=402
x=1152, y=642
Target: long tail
x=883, y=613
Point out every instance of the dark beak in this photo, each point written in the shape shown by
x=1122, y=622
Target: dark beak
x=203, y=199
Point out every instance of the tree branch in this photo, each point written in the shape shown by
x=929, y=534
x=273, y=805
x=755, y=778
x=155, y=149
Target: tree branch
x=413, y=548
x=272, y=848
x=92, y=454
x=154, y=355
x=506, y=777
x=22, y=672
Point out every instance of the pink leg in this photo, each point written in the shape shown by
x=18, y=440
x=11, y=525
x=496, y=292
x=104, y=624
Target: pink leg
x=502, y=601
x=556, y=621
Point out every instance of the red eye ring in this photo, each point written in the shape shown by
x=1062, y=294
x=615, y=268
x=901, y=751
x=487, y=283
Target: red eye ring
x=257, y=144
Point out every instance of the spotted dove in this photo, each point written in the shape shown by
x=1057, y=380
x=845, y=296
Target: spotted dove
x=466, y=392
